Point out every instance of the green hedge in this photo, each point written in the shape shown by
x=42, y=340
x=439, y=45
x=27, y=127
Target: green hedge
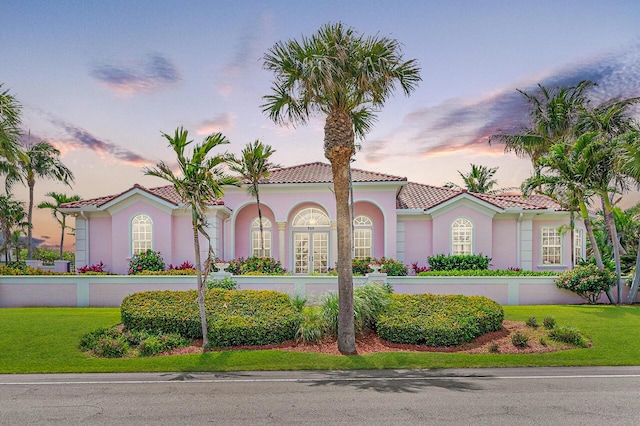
x=234, y=317
x=448, y=262
x=434, y=320
x=487, y=273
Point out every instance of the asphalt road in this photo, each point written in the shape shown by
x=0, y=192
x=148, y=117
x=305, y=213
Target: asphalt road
x=540, y=396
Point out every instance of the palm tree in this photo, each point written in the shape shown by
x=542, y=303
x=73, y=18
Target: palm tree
x=566, y=172
x=10, y=110
x=199, y=182
x=253, y=165
x=33, y=161
x=347, y=78
x=553, y=114
x=610, y=121
x=479, y=179
x=60, y=217
x=629, y=164
x=12, y=216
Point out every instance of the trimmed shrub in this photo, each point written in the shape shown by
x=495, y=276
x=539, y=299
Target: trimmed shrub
x=235, y=317
x=389, y=266
x=444, y=262
x=91, y=339
x=111, y=348
x=154, y=344
x=226, y=283
x=586, y=281
x=532, y=322
x=263, y=265
x=435, y=320
x=28, y=270
x=488, y=273
x=146, y=261
x=568, y=335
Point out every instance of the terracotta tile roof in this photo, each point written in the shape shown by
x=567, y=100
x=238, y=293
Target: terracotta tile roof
x=419, y=196
x=166, y=193
x=321, y=173
x=411, y=196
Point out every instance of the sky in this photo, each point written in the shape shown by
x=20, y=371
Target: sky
x=102, y=80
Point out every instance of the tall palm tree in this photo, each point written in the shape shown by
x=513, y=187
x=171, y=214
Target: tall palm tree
x=60, y=217
x=553, y=114
x=10, y=110
x=479, y=179
x=199, y=182
x=12, y=216
x=629, y=164
x=610, y=121
x=253, y=165
x=37, y=161
x=347, y=78
x=565, y=172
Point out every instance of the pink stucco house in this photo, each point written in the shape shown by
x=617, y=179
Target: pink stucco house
x=392, y=217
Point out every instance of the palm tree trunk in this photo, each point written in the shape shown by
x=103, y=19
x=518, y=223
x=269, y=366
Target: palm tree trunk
x=339, y=148
x=30, y=221
x=260, y=220
x=203, y=313
x=613, y=235
x=636, y=279
x=584, y=213
x=572, y=229
x=63, y=224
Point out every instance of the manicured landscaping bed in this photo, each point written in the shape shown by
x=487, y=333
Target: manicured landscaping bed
x=45, y=340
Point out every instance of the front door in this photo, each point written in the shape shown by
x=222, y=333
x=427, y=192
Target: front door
x=311, y=252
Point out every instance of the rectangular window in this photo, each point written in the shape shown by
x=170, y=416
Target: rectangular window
x=255, y=243
x=461, y=241
x=578, y=239
x=551, y=246
x=362, y=243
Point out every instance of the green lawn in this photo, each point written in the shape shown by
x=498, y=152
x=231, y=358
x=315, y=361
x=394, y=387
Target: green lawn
x=45, y=340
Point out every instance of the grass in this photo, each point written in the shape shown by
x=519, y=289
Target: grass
x=45, y=340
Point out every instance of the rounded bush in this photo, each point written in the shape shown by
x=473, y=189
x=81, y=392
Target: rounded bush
x=234, y=317
x=146, y=261
x=433, y=320
x=588, y=282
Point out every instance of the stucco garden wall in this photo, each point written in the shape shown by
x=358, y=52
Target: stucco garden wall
x=109, y=290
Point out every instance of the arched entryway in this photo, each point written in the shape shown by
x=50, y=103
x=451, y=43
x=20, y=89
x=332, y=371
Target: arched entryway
x=310, y=229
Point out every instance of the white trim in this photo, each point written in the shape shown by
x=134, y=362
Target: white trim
x=481, y=205
x=137, y=191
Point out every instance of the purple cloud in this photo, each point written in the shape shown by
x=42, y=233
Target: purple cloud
x=458, y=125
x=149, y=75
x=78, y=138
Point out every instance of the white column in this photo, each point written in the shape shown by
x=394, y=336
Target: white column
x=526, y=244
x=82, y=242
x=281, y=228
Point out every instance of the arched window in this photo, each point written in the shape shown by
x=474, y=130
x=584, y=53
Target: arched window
x=362, y=237
x=311, y=217
x=462, y=237
x=255, y=237
x=141, y=234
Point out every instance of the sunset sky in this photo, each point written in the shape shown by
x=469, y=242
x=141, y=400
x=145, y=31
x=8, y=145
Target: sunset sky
x=101, y=80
